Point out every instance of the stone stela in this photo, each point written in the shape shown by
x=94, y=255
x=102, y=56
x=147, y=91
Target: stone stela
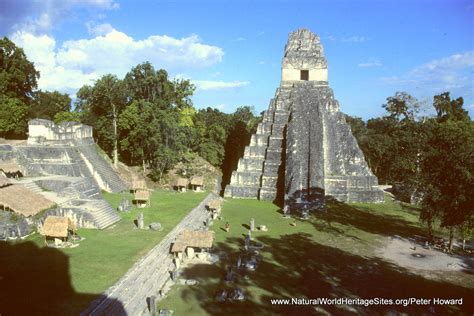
x=303, y=149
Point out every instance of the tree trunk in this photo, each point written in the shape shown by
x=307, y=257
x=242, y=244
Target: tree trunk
x=451, y=236
x=144, y=169
x=430, y=230
x=463, y=244
x=115, y=136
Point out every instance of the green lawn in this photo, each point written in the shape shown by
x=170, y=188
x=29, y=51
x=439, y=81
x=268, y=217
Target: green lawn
x=65, y=281
x=330, y=255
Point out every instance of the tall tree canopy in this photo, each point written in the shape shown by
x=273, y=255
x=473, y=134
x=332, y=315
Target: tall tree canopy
x=18, y=81
x=431, y=160
x=18, y=76
x=102, y=104
x=449, y=109
x=402, y=106
x=447, y=167
x=47, y=104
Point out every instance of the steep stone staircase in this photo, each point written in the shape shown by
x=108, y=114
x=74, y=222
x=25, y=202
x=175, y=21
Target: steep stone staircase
x=102, y=168
x=257, y=172
x=65, y=163
x=104, y=215
x=32, y=186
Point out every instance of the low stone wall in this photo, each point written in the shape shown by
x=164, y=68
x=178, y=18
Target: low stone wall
x=79, y=217
x=13, y=226
x=147, y=276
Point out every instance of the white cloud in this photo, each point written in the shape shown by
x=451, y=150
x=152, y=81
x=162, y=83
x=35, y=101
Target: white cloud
x=452, y=72
x=99, y=29
x=203, y=85
x=447, y=64
x=371, y=63
x=240, y=39
x=346, y=39
x=41, y=16
x=105, y=4
x=354, y=39
x=217, y=85
x=330, y=38
x=78, y=62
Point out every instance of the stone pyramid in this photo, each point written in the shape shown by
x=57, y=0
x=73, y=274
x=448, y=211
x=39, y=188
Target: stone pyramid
x=303, y=149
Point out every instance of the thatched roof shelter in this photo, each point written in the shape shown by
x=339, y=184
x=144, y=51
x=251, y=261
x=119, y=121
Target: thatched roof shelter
x=10, y=166
x=4, y=181
x=181, y=182
x=139, y=184
x=214, y=204
x=57, y=226
x=193, y=238
x=23, y=201
x=142, y=195
x=198, y=180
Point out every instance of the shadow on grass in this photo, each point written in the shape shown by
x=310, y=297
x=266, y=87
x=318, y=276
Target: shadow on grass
x=295, y=266
x=36, y=281
x=364, y=219
x=415, y=210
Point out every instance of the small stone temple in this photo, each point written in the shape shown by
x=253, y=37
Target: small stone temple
x=303, y=149
x=60, y=171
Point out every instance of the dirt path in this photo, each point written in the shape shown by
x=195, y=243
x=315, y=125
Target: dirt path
x=409, y=254
x=430, y=263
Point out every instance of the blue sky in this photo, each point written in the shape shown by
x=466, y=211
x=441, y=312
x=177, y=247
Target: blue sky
x=232, y=50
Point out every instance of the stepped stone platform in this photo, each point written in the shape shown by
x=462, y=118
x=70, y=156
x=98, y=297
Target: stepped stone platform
x=61, y=162
x=303, y=149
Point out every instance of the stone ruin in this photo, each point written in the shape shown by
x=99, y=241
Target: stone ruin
x=61, y=162
x=303, y=149
x=45, y=132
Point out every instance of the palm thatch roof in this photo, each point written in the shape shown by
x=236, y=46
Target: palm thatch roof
x=197, y=180
x=193, y=238
x=142, y=195
x=181, y=182
x=23, y=201
x=57, y=226
x=9, y=166
x=139, y=184
x=4, y=181
x=214, y=204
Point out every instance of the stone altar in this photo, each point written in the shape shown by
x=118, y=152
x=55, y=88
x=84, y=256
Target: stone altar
x=303, y=149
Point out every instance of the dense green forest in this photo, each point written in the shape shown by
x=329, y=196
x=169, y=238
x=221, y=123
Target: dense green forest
x=428, y=160
x=148, y=119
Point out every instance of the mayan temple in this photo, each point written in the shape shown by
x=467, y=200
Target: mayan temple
x=303, y=149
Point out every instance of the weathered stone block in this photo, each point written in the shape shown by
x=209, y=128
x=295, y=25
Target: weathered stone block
x=273, y=155
x=269, y=182
x=267, y=195
x=271, y=168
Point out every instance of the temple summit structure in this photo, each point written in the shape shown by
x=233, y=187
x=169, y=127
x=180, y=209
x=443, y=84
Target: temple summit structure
x=303, y=149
